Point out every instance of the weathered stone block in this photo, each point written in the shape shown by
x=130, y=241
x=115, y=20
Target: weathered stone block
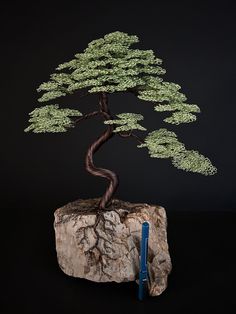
x=105, y=246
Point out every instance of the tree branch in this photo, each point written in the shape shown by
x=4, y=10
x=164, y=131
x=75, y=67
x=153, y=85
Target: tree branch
x=125, y=134
x=87, y=115
x=130, y=134
x=141, y=141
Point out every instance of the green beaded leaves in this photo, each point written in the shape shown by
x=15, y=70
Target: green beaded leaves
x=168, y=98
x=181, y=117
x=191, y=160
x=162, y=144
x=107, y=65
x=111, y=64
x=51, y=119
x=115, y=37
x=127, y=122
x=56, y=87
x=183, y=112
x=165, y=144
x=158, y=91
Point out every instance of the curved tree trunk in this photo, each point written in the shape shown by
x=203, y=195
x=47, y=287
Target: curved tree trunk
x=101, y=172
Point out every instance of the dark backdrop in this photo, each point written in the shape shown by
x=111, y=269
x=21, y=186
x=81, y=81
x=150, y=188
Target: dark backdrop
x=40, y=172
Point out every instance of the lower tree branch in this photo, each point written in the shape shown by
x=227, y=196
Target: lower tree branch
x=86, y=116
x=130, y=134
x=141, y=141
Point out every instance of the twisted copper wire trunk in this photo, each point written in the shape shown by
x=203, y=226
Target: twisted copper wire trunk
x=89, y=165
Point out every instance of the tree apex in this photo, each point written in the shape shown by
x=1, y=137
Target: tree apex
x=114, y=37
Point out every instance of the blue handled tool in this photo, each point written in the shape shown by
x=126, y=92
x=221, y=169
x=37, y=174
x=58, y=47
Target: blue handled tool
x=143, y=272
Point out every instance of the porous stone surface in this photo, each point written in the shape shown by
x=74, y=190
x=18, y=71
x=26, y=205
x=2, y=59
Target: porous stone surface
x=105, y=246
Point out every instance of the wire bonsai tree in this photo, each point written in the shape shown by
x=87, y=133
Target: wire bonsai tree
x=109, y=65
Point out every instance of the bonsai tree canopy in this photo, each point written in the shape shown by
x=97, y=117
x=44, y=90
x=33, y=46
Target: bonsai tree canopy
x=110, y=65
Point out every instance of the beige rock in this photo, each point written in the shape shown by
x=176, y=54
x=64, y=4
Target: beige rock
x=105, y=246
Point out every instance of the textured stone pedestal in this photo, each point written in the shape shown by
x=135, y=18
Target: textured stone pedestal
x=105, y=247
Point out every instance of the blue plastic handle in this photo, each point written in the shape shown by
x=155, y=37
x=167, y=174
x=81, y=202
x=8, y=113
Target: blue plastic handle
x=143, y=271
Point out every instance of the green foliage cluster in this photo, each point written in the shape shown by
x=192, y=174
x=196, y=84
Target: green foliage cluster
x=167, y=97
x=162, y=144
x=128, y=121
x=51, y=119
x=191, y=160
x=109, y=65
x=165, y=144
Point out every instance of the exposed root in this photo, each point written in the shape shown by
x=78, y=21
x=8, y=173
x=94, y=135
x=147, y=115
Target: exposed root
x=103, y=244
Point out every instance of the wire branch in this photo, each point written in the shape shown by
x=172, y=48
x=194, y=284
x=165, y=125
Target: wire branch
x=140, y=140
x=130, y=134
x=124, y=134
x=86, y=116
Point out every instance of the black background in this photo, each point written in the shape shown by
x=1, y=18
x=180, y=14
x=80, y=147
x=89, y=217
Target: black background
x=196, y=40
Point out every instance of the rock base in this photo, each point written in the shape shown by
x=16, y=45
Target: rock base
x=105, y=246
